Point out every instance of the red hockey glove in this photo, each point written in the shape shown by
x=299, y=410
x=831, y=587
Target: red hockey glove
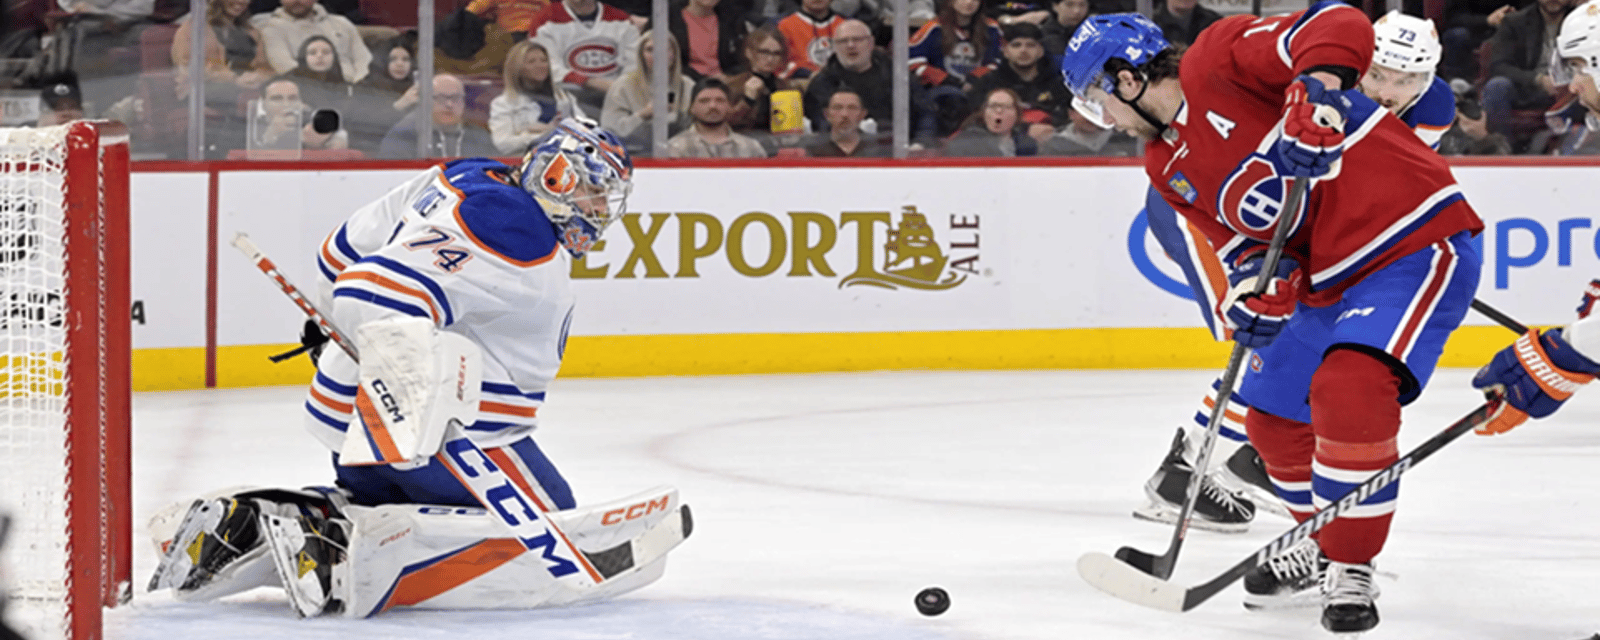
x=1313, y=128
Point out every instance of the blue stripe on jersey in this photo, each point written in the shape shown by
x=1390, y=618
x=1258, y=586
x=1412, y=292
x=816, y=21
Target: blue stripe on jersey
x=1395, y=236
x=1331, y=490
x=511, y=390
x=433, y=287
x=343, y=243
x=388, y=303
x=485, y=425
x=326, y=272
x=325, y=419
x=1286, y=42
x=341, y=389
x=1295, y=497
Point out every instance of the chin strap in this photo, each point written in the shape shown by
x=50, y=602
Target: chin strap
x=1161, y=127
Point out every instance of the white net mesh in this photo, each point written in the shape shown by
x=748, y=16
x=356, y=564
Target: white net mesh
x=33, y=389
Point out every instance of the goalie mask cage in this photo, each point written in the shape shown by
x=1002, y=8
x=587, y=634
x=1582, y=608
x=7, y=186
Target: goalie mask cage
x=64, y=388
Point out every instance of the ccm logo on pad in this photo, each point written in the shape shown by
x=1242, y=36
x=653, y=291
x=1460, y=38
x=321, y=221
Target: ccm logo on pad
x=387, y=400
x=634, y=512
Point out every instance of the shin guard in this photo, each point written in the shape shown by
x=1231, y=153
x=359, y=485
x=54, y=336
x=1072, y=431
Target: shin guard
x=1355, y=413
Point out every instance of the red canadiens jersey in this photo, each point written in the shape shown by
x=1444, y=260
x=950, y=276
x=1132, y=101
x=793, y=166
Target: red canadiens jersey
x=1217, y=162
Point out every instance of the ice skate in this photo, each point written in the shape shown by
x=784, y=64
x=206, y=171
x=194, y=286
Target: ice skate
x=1348, y=594
x=215, y=538
x=1289, y=580
x=309, y=553
x=1215, y=509
x=1244, y=473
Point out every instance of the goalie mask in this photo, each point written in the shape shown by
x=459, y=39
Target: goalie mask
x=580, y=174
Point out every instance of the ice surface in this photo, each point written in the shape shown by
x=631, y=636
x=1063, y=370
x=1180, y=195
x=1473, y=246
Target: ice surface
x=823, y=503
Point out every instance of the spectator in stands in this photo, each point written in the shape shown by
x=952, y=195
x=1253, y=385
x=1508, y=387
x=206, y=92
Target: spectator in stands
x=1182, y=20
x=321, y=77
x=1084, y=137
x=709, y=135
x=1467, y=24
x=1470, y=136
x=531, y=103
x=858, y=65
x=844, y=139
x=947, y=51
x=512, y=16
x=235, y=60
x=288, y=27
x=709, y=35
x=61, y=100
x=629, y=106
x=1028, y=73
x=591, y=45
x=383, y=97
x=1066, y=17
x=766, y=69
x=1097, y=7
x=996, y=131
x=453, y=135
x=809, y=33
x=281, y=120
x=1519, y=65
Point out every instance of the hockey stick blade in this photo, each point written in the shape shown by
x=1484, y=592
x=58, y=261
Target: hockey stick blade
x=1128, y=582
x=1140, y=560
x=1125, y=582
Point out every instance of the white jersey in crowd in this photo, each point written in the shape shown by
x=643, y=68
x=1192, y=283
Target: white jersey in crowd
x=464, y=245
x=604, y=47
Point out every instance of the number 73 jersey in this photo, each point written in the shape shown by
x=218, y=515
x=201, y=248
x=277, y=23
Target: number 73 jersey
x=464, y=246
x=1217, y=163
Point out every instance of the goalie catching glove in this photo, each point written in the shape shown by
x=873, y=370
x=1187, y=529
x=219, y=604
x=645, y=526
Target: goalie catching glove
x=1256, y=320
x=1532, y=377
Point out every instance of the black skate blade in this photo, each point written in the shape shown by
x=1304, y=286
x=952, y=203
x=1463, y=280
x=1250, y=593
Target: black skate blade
x=1137, y=559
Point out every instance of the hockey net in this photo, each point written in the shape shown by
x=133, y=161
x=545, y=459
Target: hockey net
x=64, y=384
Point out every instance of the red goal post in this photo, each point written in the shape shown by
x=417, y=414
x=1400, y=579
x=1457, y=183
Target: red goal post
x=65, y=388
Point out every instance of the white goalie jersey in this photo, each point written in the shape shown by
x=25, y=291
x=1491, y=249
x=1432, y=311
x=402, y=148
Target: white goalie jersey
x=462, y=245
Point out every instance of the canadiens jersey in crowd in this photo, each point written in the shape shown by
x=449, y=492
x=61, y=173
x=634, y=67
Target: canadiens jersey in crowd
x=1217, y=162
x=463, y=245
x=1433, y=112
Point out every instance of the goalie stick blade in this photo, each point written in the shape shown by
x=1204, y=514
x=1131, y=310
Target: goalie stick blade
x=646, y=548
x=1126, y=582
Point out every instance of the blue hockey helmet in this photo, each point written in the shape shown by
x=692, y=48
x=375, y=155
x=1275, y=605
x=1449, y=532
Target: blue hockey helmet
x=1100, y=39
x=581, y=176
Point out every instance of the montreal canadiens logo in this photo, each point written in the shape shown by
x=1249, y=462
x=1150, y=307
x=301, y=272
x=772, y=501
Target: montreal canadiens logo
x=593, y=58
x=1251, y=200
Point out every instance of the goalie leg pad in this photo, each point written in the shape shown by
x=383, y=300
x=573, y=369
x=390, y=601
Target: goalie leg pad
x=438, y=557
x=522, y=461
x=414, y=379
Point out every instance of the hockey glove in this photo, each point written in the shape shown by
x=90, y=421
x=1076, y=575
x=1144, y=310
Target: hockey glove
x=312, y=340
x=1591, y=293
x=1532, y=377
x=1313, y=128
x=1258, y=319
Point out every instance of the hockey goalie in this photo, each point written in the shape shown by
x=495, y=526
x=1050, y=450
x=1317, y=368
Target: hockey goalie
x=454, y=288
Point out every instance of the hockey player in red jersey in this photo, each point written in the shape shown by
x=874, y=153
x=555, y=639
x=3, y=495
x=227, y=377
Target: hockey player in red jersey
x=1376, y=274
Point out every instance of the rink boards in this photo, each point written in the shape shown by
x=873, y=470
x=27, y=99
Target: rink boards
x=724, y=269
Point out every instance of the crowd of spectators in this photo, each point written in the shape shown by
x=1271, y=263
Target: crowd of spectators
x=747, y=78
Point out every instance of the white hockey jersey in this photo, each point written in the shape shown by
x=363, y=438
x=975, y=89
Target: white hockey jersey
x=465, y=246
x=607, y=47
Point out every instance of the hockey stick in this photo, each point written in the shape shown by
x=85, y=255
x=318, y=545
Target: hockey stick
x=1495, y=315
x=1161, y=566
x=1129, y=583
x=528, y=521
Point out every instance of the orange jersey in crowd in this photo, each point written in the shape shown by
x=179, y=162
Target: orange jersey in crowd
x=514, y=16
x=810, y=40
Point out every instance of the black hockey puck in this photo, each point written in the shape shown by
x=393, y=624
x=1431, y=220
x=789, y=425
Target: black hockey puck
x=933, y=601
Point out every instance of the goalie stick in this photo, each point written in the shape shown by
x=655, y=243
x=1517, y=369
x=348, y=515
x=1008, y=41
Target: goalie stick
x=526, y=519
x=1129, y=582
x=1161, y=566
